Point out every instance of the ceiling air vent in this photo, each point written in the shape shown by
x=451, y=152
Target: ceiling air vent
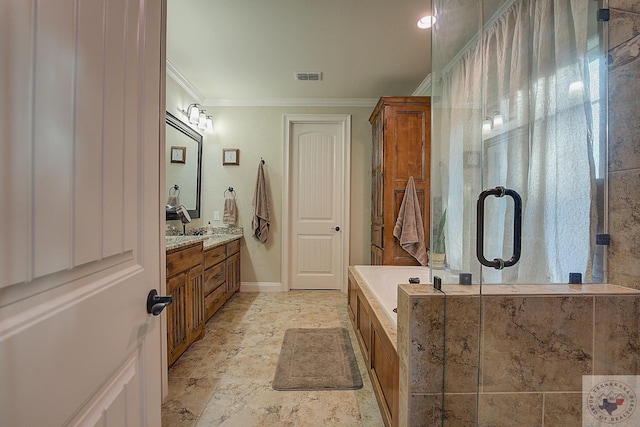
x=314, y=75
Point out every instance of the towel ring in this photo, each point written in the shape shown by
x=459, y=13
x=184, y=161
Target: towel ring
x=230, y=190
x=176, y=190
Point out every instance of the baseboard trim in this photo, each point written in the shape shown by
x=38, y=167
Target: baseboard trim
x=262, y=287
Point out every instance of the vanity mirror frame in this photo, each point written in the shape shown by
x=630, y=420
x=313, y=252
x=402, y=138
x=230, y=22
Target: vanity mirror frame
x=188, y=132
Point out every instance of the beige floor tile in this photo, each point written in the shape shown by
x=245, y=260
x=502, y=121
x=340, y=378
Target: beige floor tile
x=225, y=378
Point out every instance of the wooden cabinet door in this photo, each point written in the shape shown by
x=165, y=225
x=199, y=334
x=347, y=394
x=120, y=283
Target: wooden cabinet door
x=233, y=274
x=195, y=303
x=406, y=154
x=177, y=320
x=363, y=327
x=384, y=366
x=352, y=299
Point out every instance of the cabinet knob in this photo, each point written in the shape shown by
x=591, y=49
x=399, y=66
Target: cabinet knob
x=155, y=303
x=336, y=228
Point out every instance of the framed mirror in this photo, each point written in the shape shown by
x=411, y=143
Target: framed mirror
x=183, y=148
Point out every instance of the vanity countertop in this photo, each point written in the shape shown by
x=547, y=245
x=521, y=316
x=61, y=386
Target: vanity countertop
x=219, y=237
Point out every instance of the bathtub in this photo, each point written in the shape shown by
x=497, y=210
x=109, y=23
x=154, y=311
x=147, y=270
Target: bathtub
x=383, y=281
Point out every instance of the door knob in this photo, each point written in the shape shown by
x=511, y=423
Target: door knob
x=155, y=303
x=336, y=228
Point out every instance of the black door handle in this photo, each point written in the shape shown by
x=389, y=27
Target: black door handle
x=499, y=263
x=155, y=303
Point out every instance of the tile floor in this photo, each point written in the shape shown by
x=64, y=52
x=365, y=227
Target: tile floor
x=225, y=378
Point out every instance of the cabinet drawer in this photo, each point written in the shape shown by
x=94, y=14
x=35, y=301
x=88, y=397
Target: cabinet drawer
x=184, y=259
x=214, y=256
x=214, y=277
x=233, y=247
x=214, y=301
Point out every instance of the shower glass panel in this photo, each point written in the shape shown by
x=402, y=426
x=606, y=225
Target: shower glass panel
x=519, y=107
x=518, y=99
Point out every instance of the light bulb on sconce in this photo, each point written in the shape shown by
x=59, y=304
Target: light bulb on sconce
x=202, y=120
x=208, y=125
x=486, y=126
x=193, y=113
x=498, y=121
x=575, y=89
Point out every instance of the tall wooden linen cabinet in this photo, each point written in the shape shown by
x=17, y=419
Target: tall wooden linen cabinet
x=401, y=130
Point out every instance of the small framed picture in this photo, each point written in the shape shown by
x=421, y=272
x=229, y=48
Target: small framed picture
x=178, y=154
x=230, y=156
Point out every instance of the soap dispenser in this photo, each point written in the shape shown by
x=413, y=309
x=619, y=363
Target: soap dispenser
x=209, y=228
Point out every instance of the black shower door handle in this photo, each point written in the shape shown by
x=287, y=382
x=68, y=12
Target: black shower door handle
x=499, y=263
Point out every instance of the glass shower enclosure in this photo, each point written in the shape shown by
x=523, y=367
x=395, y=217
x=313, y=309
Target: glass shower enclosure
x=518, y=103
x=519, y=120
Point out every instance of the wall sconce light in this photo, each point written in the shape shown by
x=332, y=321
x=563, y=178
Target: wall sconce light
x=192, y=113
x=202, y=120
x=199, y=117
x=498, y=121
x=486, y=126
x=208, y=125
x=575, y=89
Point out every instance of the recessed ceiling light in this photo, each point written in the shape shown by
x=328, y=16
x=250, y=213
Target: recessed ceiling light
x=426, y=21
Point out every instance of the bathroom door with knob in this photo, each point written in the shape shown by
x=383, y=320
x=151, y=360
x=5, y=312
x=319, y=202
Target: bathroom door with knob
x=317, y=201
x=80, y=247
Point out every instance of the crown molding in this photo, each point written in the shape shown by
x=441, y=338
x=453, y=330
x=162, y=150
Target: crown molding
x=424, y=89
x=291, y=102
x=184, y=83
x=175, y=74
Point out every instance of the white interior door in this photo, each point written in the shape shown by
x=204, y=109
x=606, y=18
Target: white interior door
x=317, y=230
x=80, y=249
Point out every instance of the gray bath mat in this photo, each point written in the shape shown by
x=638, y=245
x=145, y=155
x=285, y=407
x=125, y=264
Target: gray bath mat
x=317, y=359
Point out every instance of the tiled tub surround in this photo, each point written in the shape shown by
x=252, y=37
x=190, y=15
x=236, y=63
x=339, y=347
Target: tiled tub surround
x=537, y=342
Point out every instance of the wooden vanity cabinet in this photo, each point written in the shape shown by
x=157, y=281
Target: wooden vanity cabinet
x=221, y=275
x=185, y=316
x=401, y=149
x=200, y=282
x=233, y=267
x=215, y=279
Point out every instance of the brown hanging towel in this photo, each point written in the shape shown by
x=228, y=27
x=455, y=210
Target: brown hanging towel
x=409, y=229
x=261, y=222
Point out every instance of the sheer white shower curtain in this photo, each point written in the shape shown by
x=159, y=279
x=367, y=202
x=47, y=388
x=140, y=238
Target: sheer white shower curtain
x=530, y=67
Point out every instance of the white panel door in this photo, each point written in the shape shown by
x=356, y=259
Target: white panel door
x=80, y=128
x=317, y=205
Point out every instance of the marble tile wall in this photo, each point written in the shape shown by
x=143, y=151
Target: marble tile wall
x=624, y=143
x=533, y=351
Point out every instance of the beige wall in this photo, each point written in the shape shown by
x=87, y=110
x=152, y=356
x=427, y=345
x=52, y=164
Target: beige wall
x=624, y=143
x=259, y=133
